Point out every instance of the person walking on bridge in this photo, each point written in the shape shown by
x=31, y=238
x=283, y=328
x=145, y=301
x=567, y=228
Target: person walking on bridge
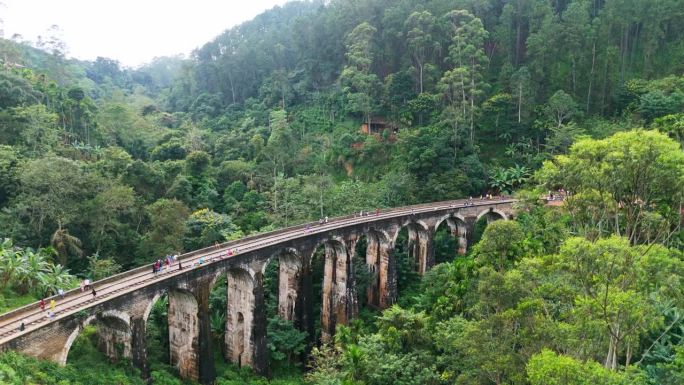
x=52, y=305
x=42, y=304
x=93, y=292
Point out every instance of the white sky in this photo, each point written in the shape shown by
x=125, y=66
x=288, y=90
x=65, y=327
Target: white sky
x=130, y=31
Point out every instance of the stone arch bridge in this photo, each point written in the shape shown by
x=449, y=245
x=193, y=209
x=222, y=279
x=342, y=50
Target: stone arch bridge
x=124, y=301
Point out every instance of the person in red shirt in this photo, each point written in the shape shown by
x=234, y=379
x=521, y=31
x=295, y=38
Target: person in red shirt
x=42, y=304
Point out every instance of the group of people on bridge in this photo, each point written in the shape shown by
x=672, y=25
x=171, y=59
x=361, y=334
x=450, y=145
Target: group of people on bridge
x=165, y=264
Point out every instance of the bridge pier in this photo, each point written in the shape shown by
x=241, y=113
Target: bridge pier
x=184, y=330
x=339, y=303
x=421, y=247
x=207, y=373
x=245, y=336
x=289, y=286
x=382, y=290
x=139, y=346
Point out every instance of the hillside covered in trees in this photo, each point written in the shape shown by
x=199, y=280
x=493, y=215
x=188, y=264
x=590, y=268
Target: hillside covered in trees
x=323, y=108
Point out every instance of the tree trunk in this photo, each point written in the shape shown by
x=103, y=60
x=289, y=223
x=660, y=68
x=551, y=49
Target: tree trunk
x=591, y=76
x=519, y=103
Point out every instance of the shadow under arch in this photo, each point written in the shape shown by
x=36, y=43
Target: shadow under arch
x=491, y=214
x=456, y=243
x=118, y=334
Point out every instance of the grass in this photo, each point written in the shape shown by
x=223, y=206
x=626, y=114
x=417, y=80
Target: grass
x=9, y=300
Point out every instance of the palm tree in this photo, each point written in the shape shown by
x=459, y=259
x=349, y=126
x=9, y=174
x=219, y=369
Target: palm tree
x=65, y=244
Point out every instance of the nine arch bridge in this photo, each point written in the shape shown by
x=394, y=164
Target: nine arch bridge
x=124, y=301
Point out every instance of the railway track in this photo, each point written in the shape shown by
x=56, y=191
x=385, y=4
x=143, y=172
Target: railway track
x=75, y=301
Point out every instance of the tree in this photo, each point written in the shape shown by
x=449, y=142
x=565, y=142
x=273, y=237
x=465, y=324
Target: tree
x=285, y=342
x=206, y=227
x=167, y=228
x=53, y=190
x=278, y=148
x=501, y=245
x=561, y=107
x=549, y=368
x=100, y=268
x=521, y=89
x=109, y=210
x=466, y=53
x=628, y=175
x=9, y=173
x=356, y=78
x=614, y=285
x=65, y=245
x=419, y=27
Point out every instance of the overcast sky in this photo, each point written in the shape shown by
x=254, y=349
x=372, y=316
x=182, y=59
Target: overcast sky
x=131, y=31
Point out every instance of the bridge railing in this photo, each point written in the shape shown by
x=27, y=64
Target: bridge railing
x=227, y=245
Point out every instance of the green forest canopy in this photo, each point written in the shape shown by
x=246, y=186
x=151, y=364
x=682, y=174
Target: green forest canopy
x=105, y=167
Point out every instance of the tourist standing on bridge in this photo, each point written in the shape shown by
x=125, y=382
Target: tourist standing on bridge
x=22, y=327
x=60, y=291
x=180, y=265
x=52, y=305
x=42, y=304
x=377, y=211
x=93, y=292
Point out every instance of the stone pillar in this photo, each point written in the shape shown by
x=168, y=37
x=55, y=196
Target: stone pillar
x=382, y=290
x=184, y=331
x=426, y=252
x=245, y=335
x=387, y=271
x=207, y=373
x=460, y=231
x=139, y=346
x=289, y=277
x=329, y=279
x=469, y=226
x=306, y=299
x=113, y=338
x=338, y=290
x=373, y=263
x=420, y=247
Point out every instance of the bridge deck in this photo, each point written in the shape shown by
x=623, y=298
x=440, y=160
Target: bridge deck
x=132, y=280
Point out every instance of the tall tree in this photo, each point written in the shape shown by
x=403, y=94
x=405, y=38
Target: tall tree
x=467, y=54
x=358, y=81
x=421, y=42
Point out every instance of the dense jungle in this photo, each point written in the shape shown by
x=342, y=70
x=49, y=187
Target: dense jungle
x=324, y=108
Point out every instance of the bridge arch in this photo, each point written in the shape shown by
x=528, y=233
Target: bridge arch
x=458, y=227
x=492, y=214
x=119, y=324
